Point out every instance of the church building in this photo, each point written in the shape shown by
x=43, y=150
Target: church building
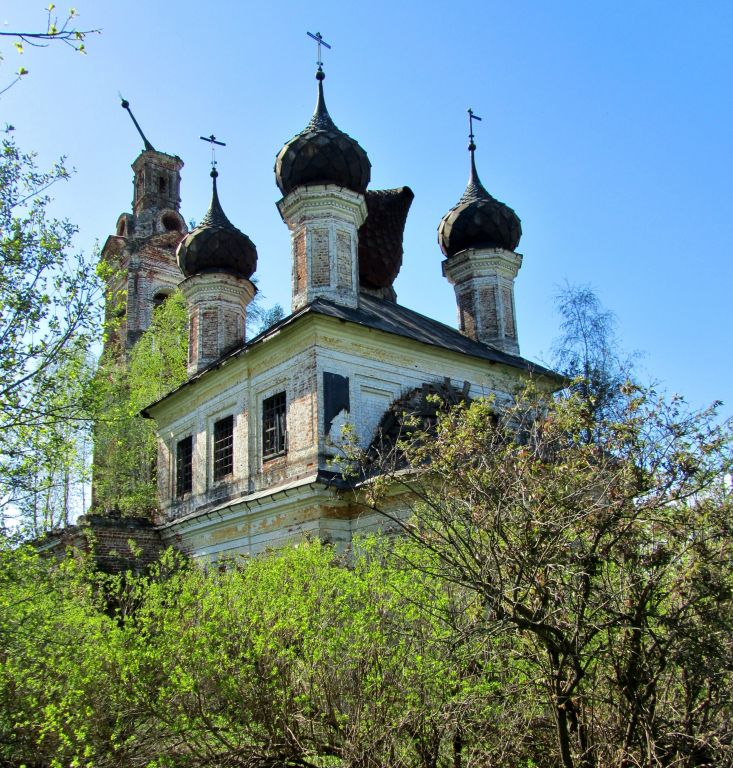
x=248, y=446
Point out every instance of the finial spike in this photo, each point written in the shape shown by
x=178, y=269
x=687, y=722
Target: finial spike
x=475, y=188
x=126, y=105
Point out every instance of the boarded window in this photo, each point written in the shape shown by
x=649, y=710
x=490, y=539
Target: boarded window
x=184, y=466
x=223, y=447
x=274, y=426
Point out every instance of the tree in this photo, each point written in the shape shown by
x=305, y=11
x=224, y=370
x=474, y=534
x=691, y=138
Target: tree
x=57, y=30
x=605, y=563
x=124, y=442
x=588, y=351
x=49, y=315
x=289, y=659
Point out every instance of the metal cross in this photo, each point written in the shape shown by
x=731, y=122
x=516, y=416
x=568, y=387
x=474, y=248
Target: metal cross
x=317, y=37
x=471, y=118
x=212, y=140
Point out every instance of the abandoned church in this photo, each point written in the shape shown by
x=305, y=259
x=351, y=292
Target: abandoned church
x=246, y=446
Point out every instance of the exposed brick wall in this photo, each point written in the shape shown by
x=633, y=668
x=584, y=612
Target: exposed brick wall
x=466, y=313
x=344, y=259
x=489, y=317
x=116, y=544
x=193, y=336
x=209, y=333
x=320, y=257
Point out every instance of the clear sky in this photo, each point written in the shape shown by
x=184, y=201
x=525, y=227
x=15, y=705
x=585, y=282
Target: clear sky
x=607, y=126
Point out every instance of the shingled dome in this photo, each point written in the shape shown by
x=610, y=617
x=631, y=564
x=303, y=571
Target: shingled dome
x=478, y=220
x=322, y=154
x=216, y=245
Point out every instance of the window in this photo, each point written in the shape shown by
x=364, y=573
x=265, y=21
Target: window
x=274, y=426
x=223, y=447
x=184, y=466
x=159, y=298
x=170, y=223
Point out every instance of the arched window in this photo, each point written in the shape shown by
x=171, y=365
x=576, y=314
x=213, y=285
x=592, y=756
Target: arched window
x=171, y=223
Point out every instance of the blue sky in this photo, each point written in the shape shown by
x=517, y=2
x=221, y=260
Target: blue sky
x=606, y=126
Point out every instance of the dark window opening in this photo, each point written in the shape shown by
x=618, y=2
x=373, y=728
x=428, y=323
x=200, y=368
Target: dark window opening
x=274, y=426
x=335, y=398
x=223, y=447
x=161, y=184
x=184, y=466
x=159, y=298
x=171, y=223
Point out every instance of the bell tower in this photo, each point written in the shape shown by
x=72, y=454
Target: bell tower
x=140, y=256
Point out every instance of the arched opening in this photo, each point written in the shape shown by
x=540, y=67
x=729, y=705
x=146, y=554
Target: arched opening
x=159, y=298
x=171, y=223
x=161, y=184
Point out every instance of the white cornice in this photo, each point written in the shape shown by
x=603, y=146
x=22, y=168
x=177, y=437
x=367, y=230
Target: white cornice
x=327, y=200
x=481, y=262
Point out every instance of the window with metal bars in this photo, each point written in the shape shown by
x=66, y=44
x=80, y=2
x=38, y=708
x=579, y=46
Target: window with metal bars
x=274, y=426
x=223, y=447
x=184, y=466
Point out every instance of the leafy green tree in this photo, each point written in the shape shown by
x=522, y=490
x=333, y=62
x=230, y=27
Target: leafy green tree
x=49, y=315
x=55, y=641
x=605, y=562
x=124, y=442
x=287, y=659
x=588, y=351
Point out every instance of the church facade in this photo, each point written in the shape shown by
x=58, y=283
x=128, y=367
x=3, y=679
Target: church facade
x=248, y=446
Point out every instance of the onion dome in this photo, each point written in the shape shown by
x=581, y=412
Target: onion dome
x=380, y=236
x=216, y=245
x=478, y=220
x=322, y=154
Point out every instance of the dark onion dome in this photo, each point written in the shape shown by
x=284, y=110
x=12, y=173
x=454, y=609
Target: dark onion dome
x=322, y=154
x=478, y=220
x=380, y=236
x=216, y=245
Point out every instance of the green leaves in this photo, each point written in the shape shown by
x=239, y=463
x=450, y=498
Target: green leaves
x=295, y=658
x=124, y=440
x=593, y=540
x=49, y=315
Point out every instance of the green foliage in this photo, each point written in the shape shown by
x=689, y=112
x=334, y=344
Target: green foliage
x=124, y=472
x=53, y=673
x=158, y=361
x=290, y=659
x=605, y=563
x=48, y=317
x=57, y=29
